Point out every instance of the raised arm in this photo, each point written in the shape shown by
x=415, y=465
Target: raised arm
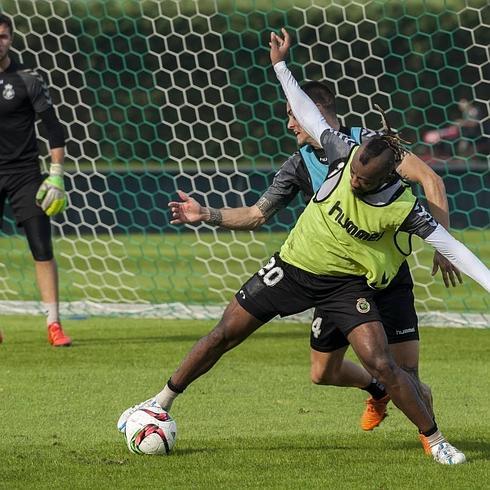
x=412, y=168
x=304, y=109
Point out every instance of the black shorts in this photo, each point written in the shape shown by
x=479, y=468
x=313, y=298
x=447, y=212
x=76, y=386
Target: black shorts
x=395, y=304
x=281, y=289
x=20, y=190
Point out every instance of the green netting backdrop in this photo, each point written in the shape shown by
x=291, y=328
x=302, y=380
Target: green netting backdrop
x=160, y=95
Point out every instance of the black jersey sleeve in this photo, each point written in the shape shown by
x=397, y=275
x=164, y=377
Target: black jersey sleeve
x=283, y=189
x=56, y=134
x=37, y=90
x=38, y=94
x=419, y=222
x=369, y=133
x=337, y=145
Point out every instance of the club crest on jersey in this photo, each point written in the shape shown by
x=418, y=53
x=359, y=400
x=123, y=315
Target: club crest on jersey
x=363, y=305
x=8, y=92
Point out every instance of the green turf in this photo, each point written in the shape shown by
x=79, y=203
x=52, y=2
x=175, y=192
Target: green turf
x=255, y=421
x=175, y=267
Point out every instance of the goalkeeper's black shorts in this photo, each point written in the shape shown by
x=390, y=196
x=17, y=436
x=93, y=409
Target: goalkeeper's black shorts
x=282, y=289
x=20, y=191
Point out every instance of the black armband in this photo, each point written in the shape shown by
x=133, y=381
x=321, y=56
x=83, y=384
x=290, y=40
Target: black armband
x=267, y=207
x=56, y=134
x=215, y=217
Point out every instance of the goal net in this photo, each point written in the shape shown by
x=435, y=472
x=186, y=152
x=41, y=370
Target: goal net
x=165, y=95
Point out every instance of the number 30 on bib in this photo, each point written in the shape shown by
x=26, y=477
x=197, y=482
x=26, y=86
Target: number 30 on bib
x=271, y=273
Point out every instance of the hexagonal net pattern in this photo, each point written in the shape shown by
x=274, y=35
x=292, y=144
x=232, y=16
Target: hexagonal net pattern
x=165, y=95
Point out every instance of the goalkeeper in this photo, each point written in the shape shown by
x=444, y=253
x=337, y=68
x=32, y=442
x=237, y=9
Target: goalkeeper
x=33, y=198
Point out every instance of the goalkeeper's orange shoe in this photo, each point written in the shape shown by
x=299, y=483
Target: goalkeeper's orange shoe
x=374, y=412
x=56, y=336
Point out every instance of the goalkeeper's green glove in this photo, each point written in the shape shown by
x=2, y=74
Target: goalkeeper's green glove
x=51, y=196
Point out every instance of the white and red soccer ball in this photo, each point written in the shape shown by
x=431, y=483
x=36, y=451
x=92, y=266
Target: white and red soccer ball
x=151, y=431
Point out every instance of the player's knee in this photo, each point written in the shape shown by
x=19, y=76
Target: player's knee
x=41, y=249
x=235, y=326
x=223, y=336
x=38, y=234
x=216, y=339
x=316, y=376
x=321, y=376
x=383, y=369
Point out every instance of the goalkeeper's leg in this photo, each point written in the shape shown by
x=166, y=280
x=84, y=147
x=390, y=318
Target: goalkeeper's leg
x=38, y=233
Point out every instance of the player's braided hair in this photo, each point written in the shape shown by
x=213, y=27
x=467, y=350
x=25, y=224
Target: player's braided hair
x=395, y=142
x=389, y=139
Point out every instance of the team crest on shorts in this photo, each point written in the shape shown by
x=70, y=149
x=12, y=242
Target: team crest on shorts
x=363, y=305
x=8, y=92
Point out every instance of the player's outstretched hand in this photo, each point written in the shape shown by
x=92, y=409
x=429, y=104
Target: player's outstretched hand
x=187, y=210
x=448, y=271
x=279, y=46
x=51, y=196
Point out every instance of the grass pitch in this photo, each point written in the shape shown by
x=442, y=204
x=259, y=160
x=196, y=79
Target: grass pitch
x=254, y=421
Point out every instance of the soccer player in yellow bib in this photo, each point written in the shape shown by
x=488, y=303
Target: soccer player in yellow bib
x=360, y=206
x=303, y=173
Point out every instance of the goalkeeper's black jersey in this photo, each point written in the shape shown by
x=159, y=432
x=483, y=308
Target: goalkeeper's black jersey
x=23, y=94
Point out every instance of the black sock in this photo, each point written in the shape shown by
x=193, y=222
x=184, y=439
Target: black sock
x=375, y=389
x=430, y=432
x=175, y=389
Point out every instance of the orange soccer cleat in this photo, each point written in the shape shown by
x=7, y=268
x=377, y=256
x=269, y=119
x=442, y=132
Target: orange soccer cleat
x=374, y=413
x=425, y=444
x=56, y=336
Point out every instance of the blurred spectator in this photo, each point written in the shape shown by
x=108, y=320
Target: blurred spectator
x=468, y=129
x=470, y=126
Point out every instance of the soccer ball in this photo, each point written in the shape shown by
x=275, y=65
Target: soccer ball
x=150, y=431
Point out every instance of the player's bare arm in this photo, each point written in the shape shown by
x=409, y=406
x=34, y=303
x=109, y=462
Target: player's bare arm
x=413, y=169
x=189, y=211
x=57, y=155
x=278, y=195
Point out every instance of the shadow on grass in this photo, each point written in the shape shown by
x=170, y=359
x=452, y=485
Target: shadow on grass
x=128, y=458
